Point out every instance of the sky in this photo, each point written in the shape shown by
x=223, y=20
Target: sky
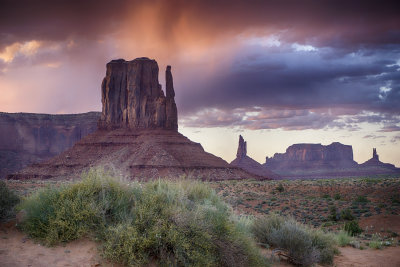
x=277, y=72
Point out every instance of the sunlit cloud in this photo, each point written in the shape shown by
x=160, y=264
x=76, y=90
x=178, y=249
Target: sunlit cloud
x=27, y=49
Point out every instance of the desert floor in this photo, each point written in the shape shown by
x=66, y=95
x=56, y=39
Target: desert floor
x=374, y=202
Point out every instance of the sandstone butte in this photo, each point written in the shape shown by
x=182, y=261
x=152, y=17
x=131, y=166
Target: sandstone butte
x=319, y=161
x=250, y=165
x=137, y=134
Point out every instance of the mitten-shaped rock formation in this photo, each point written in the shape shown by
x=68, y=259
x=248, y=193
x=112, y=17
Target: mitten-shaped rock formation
x=132, y=97
x=138, y=134
x=248, y=164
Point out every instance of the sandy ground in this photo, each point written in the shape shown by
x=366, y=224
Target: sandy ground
x=387, y=257
x=16, y=250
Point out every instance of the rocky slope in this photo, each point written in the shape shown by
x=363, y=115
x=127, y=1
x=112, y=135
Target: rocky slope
x=137, y=136
x=27, y=138
x=248, y=164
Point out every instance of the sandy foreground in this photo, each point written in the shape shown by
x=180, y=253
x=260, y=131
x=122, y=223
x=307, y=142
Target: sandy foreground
x=16, y=250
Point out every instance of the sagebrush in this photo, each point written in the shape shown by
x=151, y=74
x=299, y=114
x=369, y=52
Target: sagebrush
x=181, y=223
x=8, y=199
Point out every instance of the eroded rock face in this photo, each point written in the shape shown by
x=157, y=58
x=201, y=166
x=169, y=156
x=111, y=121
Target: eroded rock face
x=242, y=148
x=313, y=155
x=248, y=164
x=132, y=97
x=27, y=138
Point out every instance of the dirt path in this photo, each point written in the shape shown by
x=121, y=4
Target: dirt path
x=16, y=250
x=388, y=257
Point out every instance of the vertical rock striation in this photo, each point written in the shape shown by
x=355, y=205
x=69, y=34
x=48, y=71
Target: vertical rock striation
x=132, y=97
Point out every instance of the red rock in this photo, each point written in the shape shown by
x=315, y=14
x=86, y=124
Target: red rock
x=26, y=138
x=248, y=164
x=138, y=135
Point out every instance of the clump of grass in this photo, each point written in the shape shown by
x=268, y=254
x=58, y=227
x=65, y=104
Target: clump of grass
x=305, y=246
x=352, y=228
x=343, y=238
x=376, y=242
x=361, y=199
x=180, y=223
x=280, y=188
x=8, y=200
x=347, y=215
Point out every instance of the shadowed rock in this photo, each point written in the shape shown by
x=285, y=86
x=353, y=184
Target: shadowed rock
x=132, y=97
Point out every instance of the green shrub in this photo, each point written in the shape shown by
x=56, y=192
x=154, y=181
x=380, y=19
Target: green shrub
x=280, y=188
x=347, y=215
x=305, y=245
x=333, y=216
x=337, y=196
x=343, y=238
x=7, y=201
x=376, y=242
x=181, y=223
x=361, y=199
x=352, y=228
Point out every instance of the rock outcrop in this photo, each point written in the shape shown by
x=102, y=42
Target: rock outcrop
x=132, y=97
x=248, y=164
x=137, y=135
x=318, y=161
x=27, y=138
x=375, y=165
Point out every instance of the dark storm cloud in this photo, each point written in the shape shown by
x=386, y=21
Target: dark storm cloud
x=353, y=68
x=337, y=23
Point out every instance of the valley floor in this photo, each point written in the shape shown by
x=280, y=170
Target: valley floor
x=374, y=202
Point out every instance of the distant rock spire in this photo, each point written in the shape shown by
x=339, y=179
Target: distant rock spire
x=242, y=148
x=374, y=154
x=171, y=110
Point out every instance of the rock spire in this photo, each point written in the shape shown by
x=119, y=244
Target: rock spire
x=242, y=148
x=132, y=97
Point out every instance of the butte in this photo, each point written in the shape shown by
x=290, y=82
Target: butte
x=137, y=136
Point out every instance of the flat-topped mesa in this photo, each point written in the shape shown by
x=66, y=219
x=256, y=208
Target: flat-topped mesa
x=132, y=97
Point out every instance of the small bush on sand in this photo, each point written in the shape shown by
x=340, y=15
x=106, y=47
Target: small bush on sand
x=343, y=238
x=352, y=228
x=305, y=246
x=181, y=223
x=7, y=201
x=280, y=188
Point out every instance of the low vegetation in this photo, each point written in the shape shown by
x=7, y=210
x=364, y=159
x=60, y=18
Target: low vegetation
x=180, y=223
x=303, y=245
x=7, y=201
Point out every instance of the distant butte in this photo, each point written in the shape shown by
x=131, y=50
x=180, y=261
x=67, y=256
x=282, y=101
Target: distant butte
x=138, y=134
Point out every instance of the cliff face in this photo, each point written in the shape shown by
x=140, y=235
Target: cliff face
x=308, y=156
x=132, y=97
x=26, y=138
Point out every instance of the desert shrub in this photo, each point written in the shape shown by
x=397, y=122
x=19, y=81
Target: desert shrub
x=343, y=238
x=352, y=228
x=280, y=188
x=361, y=199
x=305, y=245
x=333, y=215
x=347, y=215
x=337, y=196
x=180, y=223
x=376, y=242
x=7, y=201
